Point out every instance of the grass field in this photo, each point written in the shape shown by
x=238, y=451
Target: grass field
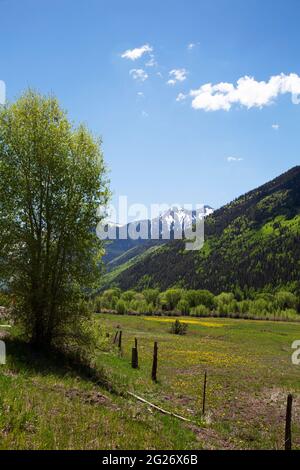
x=249, y=370
x=45, y=405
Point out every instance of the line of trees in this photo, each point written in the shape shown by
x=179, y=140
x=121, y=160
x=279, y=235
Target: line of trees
x=281, y=304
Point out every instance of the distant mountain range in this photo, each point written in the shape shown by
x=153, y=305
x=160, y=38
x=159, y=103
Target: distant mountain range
x=251, y=243
x=170, y=222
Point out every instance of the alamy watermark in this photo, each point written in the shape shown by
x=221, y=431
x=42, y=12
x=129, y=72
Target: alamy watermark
x=2, y=92
x=296, y=353
x=157, y=222
x=2, y=353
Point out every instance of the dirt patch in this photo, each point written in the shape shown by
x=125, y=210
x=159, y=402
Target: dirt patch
x=92, y=397
x=180, y=399
x=10, y=373
x=211, y=439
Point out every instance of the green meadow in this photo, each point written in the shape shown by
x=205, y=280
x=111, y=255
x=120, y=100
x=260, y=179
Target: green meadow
x=249, y=374
x=48, y=405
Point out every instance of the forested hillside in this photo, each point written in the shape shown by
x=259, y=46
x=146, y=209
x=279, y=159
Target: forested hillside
x=251, y=243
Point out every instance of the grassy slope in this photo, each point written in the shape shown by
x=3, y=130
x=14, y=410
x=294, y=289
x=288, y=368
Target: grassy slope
x=249, y=375
x=45, y=406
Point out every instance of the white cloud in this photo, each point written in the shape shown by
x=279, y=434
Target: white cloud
x=139, y=74
x=234, y=159
x=137, y=53
x=192, y=46
x=177, y=75
x=181, y=97
x=151, y=62
x=140, y=94
x=275, y=127
x=247, y=92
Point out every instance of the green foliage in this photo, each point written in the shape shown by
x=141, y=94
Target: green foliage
x=183, y=307
x=199, y=297
x=128, y=295
x=5, y=299
x=151, y=295
x=172, y=297
x=202, y=303
x=162, y=301
x=52, y=179
x=178, y=328
x=121, y=307
x=224, y=303
x=200, y=311
x=110, y=298
x=286, y=300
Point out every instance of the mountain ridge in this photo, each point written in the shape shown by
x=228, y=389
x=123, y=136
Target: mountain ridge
x=173, y=218
x=251, y=243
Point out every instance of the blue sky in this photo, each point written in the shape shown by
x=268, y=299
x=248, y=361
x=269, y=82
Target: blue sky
x=158, y=149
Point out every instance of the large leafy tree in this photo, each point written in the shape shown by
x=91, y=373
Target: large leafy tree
x=52, y=179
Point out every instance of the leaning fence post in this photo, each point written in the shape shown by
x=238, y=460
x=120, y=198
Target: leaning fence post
x=116, y=336
x=204, y=393
x=120, y=340
x=288, y=423
x=135, y=358
x=154, y=364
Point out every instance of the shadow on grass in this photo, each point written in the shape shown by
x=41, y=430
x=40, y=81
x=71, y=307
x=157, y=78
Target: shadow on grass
x=23, y=358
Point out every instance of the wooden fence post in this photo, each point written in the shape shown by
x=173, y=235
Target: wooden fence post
x=134, y=359
x=288, y=423
x=154, y=364
x=134, y=356
x=116, y=336
x=204, y=393
x=120, y=340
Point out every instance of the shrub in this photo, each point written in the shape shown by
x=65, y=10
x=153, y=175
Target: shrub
x=183, y=307
x=291, y=314
x=128, y=295
x=178, y=328
x=139, y=306
x=243, y=306
x=151, y=295
x=98, y=304
x=285, y=300
x=200, y=311
x=206, y=298
x=110, y=298
x=224, y=298
x=233, y=306
x=223, y=302
x=121, y=307
x=172, y=297
x=259, y=308
x=199, y=297
x=139, y=297
x=162, y=301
